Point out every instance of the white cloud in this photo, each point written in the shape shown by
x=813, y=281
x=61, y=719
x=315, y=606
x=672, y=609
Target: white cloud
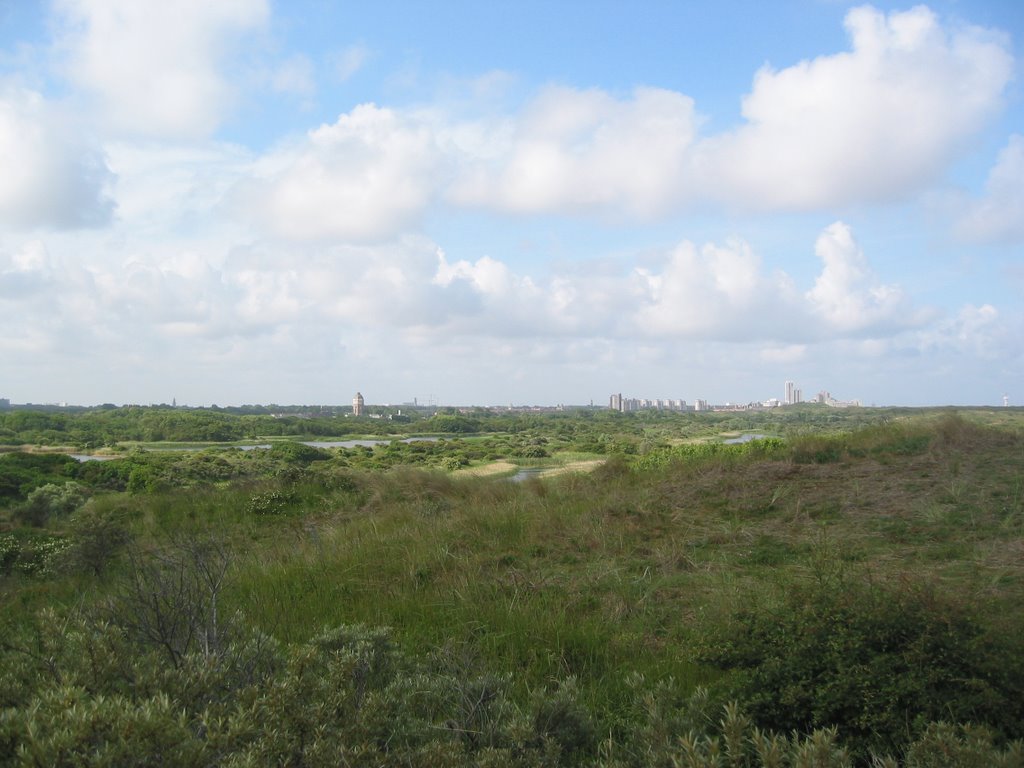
x=278, y=307
x=51, y=175
x=167, y=193
x=26, y=272
x=573, y=150
x=999, y=215
x=486, y=275
x=871, y=124
x=880, y=121
x=155, y=68
x=369, y=175
x=719, y=292
x=294, y=75
x=348, y=61
x=847, y=295
x=977, y=331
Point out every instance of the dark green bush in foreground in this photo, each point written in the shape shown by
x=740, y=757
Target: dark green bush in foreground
x=880, y=662
x=77, y=691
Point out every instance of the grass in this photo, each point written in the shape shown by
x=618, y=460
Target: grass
x=615, y=570
x=573, y=574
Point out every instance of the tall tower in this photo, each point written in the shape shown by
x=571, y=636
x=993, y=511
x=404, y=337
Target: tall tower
x=357, y=405
x=790, y=393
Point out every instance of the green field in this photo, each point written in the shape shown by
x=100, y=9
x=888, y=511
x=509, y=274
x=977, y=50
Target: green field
x=849, y=588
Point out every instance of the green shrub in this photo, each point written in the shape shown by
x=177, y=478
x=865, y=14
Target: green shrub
x=877, y=662
x=20, y=473
x=97, y=537
x=50, y=501
x=298, y=453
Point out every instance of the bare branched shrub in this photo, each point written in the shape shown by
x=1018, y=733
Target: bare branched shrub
x=171, y=598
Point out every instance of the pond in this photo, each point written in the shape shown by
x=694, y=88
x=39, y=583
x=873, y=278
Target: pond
x=525, y=473
x=743, y=439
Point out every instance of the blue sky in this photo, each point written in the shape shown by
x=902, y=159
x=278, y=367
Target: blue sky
x=510, y=202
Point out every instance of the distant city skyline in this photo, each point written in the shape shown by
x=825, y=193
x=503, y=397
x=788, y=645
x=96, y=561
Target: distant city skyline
x=481, y=203
x=616, y=402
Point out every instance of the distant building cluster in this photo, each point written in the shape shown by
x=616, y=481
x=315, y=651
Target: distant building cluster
x=795, y=395
x=624, y=404
x=792, y=395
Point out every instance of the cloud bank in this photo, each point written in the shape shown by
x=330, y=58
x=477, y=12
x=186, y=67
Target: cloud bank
x=877, y=123
x=335, y=243
x=155, y=69
x=51, y=175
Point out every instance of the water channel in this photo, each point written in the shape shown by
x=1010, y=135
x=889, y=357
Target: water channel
x=742, y=439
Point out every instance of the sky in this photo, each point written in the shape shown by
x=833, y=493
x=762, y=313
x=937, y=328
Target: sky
x=513, y=202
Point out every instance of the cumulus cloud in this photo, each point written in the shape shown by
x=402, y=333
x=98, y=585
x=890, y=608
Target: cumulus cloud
x=155, y=69
x=874, y=123
x=716, y=291
x=847, y=295
x=978, y=331
x=366, y=176
x=51, y=174
x=272, y=302
x=871, y=124
x=575, y=150
x=999, y=215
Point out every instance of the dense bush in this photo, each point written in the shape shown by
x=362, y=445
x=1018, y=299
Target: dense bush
x=21, y=473
x=50, y=501
x=880, y=662
x=297, y=453
x=77, y=691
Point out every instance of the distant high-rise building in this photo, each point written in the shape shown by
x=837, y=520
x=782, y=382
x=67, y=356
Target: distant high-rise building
x=357, y=404
x=615, y=402
x=790, y=393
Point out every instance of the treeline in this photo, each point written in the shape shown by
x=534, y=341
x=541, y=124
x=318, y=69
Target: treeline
x=108, y=426
x=97, y=428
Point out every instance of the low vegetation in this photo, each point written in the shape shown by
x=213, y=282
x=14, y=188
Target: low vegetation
x=825, y=596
